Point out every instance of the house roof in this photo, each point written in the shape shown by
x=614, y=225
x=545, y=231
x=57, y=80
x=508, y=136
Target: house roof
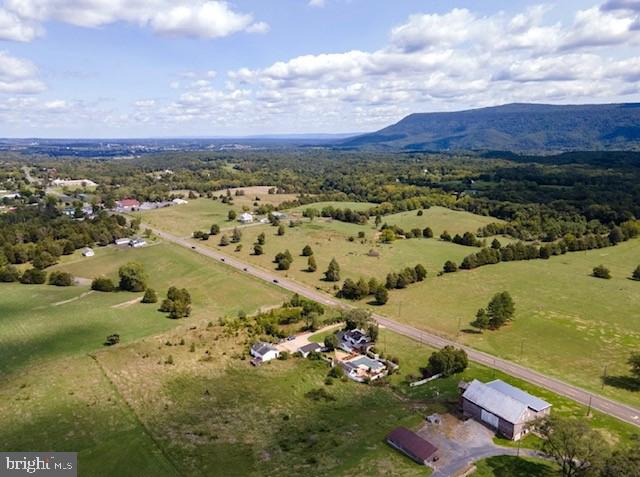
x=262, y=348
x=495, y=402
x=532, y=402
x=366, y=362
x=128, y=203
x=310, y=347
x=411, y=443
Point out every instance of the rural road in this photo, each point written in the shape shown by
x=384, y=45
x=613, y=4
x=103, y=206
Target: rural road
x=613, y=408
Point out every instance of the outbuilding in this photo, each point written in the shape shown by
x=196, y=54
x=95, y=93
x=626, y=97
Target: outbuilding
x=412, y=445
x=503, y=407
x=263, y=352
x=309, y=348
x=88, y=252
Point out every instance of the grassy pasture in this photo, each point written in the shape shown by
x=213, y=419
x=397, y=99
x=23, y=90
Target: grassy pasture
x=358, y=206
x=440, y=219
x=330, y=239
x=507, y=466
x=214, y=414
x=567, y=324
x=183, y=220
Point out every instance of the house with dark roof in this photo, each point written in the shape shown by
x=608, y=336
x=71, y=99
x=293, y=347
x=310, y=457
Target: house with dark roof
x=412, y=445
x=503, y=407
x=263, y=352
x=309, y=348
x=353, y=341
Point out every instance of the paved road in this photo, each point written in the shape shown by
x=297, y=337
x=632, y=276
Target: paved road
x=621, y=411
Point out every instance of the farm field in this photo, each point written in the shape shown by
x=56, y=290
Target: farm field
x=330, y=238
x=506, y=466
x=54, y=395
x=183, y=220
x=567, y=323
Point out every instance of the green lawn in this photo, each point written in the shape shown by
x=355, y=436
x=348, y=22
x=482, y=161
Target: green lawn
x=506, y=466
x=567, y=323
x=359, y=206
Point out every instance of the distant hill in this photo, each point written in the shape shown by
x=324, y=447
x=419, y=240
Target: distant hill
x=513, y=127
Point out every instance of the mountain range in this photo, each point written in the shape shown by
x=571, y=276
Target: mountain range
x=520, y=127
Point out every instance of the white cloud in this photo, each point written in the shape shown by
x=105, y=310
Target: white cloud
x=317, y=3
x=18, y=76
x=21, y=19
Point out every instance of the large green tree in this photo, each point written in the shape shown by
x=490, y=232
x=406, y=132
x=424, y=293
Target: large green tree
x=132, y=277
x=333, y=271
x=500, y=310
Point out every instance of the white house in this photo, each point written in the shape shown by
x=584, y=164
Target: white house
x=88, y=252
x=246, y=218
x=362, y=368
x=137, y=243
x=179, y=201
x=279, y=215
x=263, y=352
x=123, y=241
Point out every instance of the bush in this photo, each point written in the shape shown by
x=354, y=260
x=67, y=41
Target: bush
x=102, y=284
x=450, y=267
x=9, y=274
x=33, y=276
x=61, y=279
x=636, y=274
x=113, y=339
x=601, y=272
x=447, y=361
x=150, y=296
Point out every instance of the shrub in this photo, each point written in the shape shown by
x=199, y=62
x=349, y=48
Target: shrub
x=150, y=296
x=132, y=277
x=33, y=276
x=601, y=272
x=113, y=339
x=9, y=273
x=636, y=274
x=60, y=279
x=102, y=284
x=450, y=267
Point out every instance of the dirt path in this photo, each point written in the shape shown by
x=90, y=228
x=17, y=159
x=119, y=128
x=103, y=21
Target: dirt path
x=128, y=303
x=72, y=299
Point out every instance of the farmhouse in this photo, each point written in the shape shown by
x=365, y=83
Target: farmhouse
x=122, y=241
x=88, y=252
x=263, y=352
x=246, y=218
x=412, y=445
x=309, y=348
x=126, y=205
x=363, y=368
x=353, y=340
x=502, y=407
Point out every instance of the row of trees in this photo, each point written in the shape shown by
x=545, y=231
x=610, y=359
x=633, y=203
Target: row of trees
x=405, y=277
x=352, y=290
x=35, y=276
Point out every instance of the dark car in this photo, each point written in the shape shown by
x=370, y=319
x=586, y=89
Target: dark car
x=245, y=269
x=275, y=281
x=222, y=259
x=291, y=338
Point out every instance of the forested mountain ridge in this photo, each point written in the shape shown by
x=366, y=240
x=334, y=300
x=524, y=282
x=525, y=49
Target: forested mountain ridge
x=513, y=127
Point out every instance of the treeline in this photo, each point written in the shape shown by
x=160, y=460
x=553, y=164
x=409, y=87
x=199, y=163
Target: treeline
x=336, y=213
x=42, y=235
x=570, y=243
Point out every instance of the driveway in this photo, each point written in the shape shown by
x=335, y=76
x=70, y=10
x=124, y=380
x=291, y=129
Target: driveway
x=461, y=443
x=302, y=339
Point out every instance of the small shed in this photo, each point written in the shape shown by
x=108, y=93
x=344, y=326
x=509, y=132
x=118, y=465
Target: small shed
x=412, y=445
x=88, y=252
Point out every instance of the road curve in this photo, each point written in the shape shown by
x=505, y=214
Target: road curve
x=613, y=408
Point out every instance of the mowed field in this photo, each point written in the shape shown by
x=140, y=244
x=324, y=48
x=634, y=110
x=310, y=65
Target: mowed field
x=53, y=394
x=330, y=239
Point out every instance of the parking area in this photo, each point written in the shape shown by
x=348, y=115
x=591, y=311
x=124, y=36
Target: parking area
x=460, y=443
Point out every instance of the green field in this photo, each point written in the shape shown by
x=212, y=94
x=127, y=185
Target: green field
x=440, y=219
x=568, y=324
x=505, y=466
x=330, y=239
x=53, y=395
x=183, y=220
x=359, y=206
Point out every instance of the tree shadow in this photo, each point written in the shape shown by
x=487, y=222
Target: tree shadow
x=471, y=331
x=622, y=382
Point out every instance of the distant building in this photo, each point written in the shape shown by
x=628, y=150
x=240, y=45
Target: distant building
x=73, y=183
x=412, y=445
x=122, y=241
x=246, y=218
x=279, y=215
x=137, y=243
x=503, y=407
x=263, y=352
x=309, y=348
x=126, y=205
x=88, y=252
x=179, y=201
x=9, y=195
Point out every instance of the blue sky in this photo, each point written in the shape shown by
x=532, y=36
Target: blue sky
x=142, y=68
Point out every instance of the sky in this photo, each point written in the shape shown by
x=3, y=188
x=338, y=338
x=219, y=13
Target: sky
x=176, y=68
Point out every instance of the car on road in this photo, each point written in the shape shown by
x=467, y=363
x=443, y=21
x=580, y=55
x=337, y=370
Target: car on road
x=291, y=338
x=193, y=247
x=275, y=281
x=222, y=259
x=245, y=269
